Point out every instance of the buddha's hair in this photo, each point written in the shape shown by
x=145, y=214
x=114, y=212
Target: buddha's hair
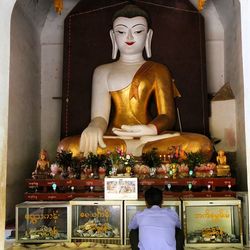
x=130, y=11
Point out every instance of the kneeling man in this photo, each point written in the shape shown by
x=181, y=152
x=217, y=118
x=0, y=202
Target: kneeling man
x=159, y=228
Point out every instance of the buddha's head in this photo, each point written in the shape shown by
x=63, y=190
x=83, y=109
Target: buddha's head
x=131, y=31
x=43, y=155
x=221, y=153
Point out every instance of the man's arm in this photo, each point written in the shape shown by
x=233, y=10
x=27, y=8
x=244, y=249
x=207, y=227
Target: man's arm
x=133, y=224
x=177, y=220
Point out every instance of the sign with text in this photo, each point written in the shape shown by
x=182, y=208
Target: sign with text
x=119, y=188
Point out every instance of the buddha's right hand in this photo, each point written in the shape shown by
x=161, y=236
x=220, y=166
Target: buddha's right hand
x=92, y=136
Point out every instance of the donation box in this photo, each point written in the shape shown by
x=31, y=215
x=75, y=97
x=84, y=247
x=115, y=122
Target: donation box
x=97, y=221
x=38, y=222
x=212, y=223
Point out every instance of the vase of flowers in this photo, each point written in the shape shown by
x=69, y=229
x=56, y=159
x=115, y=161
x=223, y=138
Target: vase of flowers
x=141, y=171
x=193, y=160
x=183, y=170
x=176, y=161
x=205, y=170
x=94, y=165
x=64, y=160
x=120, y=161
x=102, y=172
x=153, y=161
x=56, y=171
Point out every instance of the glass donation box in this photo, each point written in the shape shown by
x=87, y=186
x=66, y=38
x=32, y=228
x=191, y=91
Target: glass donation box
x=97, y=221
x=131, y=207
x=38, y=222
x=212, y=223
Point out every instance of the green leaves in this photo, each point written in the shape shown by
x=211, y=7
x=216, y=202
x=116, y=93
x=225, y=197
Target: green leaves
x=64, y=159
x=151, y=158
x=194, y=159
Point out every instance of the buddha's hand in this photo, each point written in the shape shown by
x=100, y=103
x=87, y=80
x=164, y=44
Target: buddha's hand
x=135, y=130
x=92, y=137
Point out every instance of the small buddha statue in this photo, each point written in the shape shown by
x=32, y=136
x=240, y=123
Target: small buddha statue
x=128, y=171
x=221, y=158
x=128, y=83
x=222, y=168
x=42, y=166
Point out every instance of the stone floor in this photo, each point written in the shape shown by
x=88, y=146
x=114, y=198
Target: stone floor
x=63, y=246
x=11, y=245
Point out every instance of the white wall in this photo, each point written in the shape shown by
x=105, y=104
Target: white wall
x=245, y=26
x=51, y=77
x=24, y=106
x=215, y=62
x=214, y=37
x=31, y=92
x=5, y=14
x=225, y=131
x=230, y=14
x=214, y=34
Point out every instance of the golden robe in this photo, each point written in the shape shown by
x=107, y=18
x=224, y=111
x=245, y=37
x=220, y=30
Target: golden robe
x=132, y=102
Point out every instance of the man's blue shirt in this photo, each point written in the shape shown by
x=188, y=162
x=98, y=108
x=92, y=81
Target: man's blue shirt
x=156, y=228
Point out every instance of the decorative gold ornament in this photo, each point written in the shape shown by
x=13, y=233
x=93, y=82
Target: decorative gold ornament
x=58, y=4
x=201, y=4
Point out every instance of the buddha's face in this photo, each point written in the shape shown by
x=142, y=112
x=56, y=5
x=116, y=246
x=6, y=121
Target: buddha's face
x=43, y=156
x=130, y=34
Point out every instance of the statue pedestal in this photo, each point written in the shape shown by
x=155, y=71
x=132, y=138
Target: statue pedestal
x=223, y=170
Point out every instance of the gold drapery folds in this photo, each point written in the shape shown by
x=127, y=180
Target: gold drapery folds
x=201, y=4
x=58, y=4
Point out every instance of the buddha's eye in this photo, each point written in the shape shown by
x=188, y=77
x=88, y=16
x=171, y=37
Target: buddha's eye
x=139, y=31
x=120, y=32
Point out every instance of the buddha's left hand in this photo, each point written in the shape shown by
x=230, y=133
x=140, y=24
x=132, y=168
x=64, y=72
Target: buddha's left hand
x=135, y=130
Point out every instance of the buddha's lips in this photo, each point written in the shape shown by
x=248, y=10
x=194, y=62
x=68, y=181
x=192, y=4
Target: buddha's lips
x=130, y=43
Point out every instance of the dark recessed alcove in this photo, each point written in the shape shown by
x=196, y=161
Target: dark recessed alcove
x=178, y=42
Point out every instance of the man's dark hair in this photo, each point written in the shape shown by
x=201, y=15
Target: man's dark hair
x=153, y=196
x=130, y=11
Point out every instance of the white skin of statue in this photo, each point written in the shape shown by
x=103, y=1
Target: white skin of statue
x=130, y=36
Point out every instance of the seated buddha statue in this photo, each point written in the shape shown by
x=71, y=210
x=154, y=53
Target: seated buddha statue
x=221, y=158
x=129, y=83
x=42, y=166
x=222, y=168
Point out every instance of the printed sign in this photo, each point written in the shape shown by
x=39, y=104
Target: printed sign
x=121, y=188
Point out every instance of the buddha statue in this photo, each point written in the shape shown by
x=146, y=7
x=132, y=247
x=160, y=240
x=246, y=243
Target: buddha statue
x=222, y=168
x=129, y=83
x=42, y=166
x=221, y=158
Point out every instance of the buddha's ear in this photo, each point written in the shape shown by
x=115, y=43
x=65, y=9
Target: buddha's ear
x=114, y=44
x=148, y=43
